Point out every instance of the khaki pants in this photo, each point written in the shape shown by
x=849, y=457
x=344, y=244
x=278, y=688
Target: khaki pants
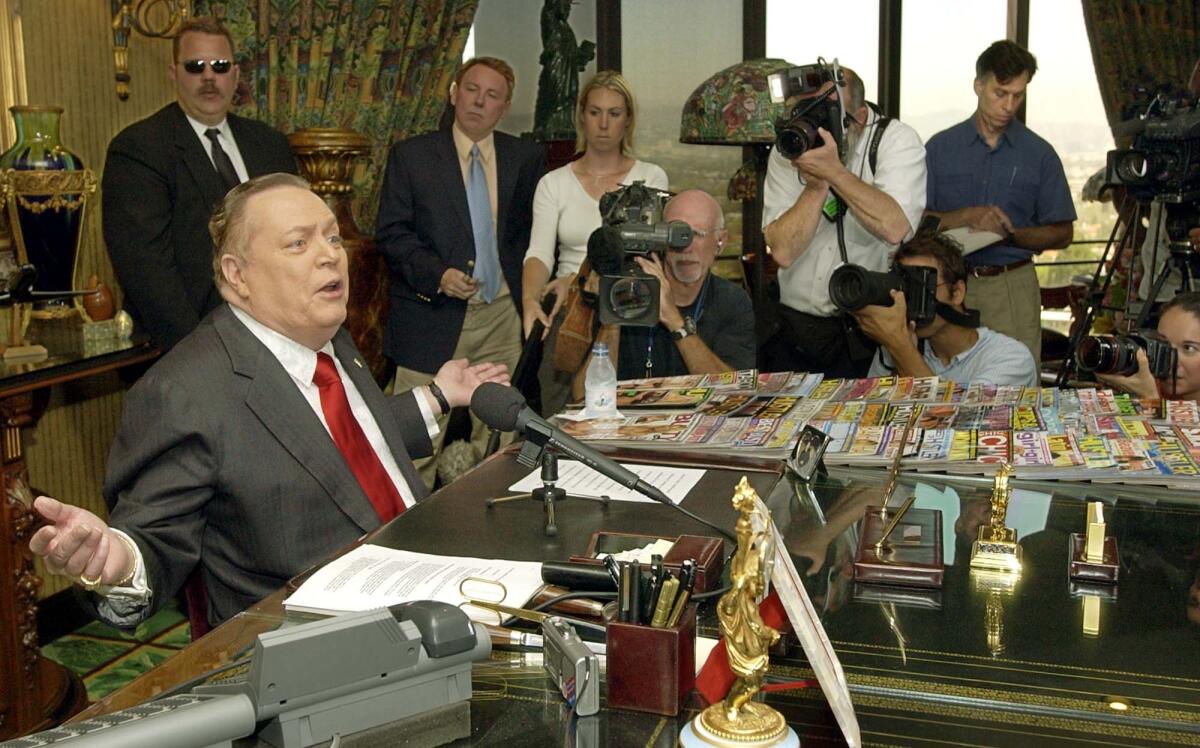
x=490, y=333
x=1011, y=303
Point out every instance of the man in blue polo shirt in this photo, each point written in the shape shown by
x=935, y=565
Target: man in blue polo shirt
x=992, y=173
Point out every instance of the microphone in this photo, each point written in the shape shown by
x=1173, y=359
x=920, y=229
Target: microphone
x=504, y=408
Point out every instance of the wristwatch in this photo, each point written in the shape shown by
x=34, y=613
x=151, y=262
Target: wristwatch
x=689, y=328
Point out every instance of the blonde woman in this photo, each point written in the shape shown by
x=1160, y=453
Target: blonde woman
x=566, y=209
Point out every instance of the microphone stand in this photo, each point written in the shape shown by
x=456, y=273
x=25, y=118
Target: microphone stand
x=549, y=493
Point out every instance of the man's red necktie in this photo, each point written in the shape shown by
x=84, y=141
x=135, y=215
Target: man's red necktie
x=352, y=442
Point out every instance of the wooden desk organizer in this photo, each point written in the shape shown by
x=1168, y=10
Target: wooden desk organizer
x=1082, y=570
x=651, y=670
x=705, y=550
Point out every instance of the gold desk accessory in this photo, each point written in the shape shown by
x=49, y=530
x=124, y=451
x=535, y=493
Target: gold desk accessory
x=996, y=586
x=738, y=720
x=996, y=548
x=915, y=560
x=1093, y=554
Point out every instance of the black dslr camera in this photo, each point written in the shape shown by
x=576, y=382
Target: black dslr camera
x=796, y=131
x=632, y=227
x=852, y=287
x=1117, y=354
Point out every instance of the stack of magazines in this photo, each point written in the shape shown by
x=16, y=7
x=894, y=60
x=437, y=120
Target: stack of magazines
x=1045, y=433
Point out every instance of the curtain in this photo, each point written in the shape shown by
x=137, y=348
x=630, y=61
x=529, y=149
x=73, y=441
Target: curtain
x=380, y=67
x=1140, y=42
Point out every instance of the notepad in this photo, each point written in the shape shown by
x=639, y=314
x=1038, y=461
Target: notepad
x=578, y=479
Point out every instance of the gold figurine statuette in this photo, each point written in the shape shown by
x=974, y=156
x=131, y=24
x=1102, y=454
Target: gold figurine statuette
x=996, y=548
x=738, y=720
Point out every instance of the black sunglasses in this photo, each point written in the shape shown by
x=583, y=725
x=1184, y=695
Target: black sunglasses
x=196, y=67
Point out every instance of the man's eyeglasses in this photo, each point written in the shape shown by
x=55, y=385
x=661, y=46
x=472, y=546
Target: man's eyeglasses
x=196, y=67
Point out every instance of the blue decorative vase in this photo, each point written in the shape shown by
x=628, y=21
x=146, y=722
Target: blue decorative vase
x=45, y=189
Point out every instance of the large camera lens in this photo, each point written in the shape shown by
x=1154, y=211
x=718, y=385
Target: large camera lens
x=796, y=137
x=631, y=297
x=1109, y=354
x=851, y=287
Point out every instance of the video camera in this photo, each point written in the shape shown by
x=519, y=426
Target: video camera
x=632, y=227
x=1117, y=354
x=852, y=287
x=1163, y=162
x=796, y=131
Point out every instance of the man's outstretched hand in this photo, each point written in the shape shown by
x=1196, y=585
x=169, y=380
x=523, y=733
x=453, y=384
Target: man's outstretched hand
x=78, y=544
x=458, y=380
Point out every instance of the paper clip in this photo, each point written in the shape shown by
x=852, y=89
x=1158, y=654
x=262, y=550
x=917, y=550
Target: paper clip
x=478, y=592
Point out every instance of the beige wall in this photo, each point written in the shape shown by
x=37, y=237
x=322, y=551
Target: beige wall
x=69, y=63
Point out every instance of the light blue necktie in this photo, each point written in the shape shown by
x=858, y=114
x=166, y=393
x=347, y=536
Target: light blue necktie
x=487, y=260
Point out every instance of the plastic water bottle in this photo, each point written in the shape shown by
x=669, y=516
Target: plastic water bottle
x=600, y=385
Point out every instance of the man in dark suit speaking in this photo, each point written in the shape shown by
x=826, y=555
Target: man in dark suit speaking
x=455, y=212
x=163, y=176
x=260, y=444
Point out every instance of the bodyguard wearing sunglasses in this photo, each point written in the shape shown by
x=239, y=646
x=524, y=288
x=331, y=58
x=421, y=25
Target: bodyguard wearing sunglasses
x=164, y=174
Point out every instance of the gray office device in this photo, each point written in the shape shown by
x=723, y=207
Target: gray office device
x=310, y=682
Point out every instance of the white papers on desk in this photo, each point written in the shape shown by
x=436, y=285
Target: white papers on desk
x=971, y=239
x=578, y=479
x=372, y=576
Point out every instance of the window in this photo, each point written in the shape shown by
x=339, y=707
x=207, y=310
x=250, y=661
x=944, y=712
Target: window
x=1064, y=107
x=664, y=61
x=848, y=30
x=940, y=41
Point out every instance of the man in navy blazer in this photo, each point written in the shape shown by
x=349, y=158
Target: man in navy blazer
x=162, y=180
x=230, y=459
x=441, y=305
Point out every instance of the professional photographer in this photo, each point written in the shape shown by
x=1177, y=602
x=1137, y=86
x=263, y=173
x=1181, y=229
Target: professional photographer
x=951, y=345
x=861, y=174
x=705, y=323
x=1180, y=325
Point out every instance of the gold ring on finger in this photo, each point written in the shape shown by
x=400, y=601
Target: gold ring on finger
x=89, y=584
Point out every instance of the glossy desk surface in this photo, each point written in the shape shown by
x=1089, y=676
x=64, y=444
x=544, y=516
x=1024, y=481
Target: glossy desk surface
x=922, y=669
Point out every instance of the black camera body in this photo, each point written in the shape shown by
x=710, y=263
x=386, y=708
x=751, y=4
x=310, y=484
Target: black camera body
x=1117, y=354
x=852, y=287
x=632, y=227
x=796, y=132
x=1163, y=162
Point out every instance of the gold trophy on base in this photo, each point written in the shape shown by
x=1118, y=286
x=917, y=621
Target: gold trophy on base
x=996, y=549
x=738, y=720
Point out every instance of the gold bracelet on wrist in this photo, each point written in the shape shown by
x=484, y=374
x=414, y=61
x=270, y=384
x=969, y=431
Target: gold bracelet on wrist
x=133, y=555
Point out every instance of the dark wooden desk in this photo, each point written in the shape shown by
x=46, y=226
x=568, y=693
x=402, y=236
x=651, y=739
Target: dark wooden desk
x=35, y=692
x=969, y=668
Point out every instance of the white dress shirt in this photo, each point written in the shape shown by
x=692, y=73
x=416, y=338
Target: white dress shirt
x=228, y=144
x=900, y=172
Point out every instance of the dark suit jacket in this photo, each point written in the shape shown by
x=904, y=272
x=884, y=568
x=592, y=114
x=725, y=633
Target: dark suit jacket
x=221, y=462
x=158, y=192
x=424, y=227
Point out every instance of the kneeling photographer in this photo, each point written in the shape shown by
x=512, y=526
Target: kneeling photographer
x=926, y=330
x=1166, y=366
x=705, y=324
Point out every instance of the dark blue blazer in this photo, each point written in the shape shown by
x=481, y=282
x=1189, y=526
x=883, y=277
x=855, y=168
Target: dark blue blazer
x=424, y=227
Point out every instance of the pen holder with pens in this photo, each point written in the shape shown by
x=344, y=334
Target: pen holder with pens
x=651, y=669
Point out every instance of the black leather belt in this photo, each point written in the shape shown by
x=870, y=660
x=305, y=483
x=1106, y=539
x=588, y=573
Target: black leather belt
x=990, y=271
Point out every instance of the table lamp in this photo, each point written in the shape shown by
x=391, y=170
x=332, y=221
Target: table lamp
x=734, y=107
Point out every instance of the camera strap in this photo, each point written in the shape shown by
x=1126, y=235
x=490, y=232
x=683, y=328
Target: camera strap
x=697, y=312
x=965, y=318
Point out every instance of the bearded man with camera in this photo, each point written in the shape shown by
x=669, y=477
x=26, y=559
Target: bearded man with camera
x=945, y=338
x=844, y=185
